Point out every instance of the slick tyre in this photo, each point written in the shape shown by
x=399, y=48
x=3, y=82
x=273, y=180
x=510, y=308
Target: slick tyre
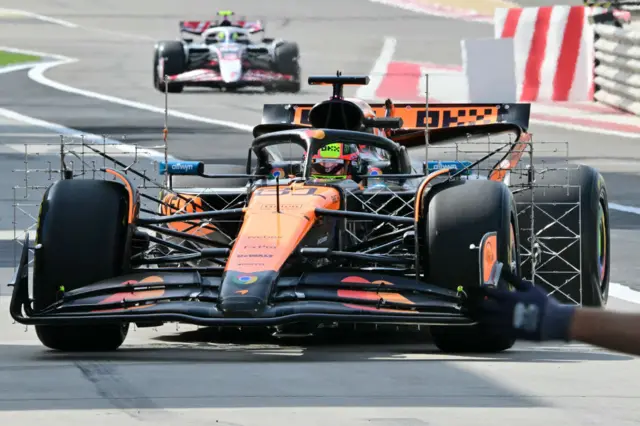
x=174, y=63
x=571, y=223
x=459, y=214
x=286, y=62
x=84, y=238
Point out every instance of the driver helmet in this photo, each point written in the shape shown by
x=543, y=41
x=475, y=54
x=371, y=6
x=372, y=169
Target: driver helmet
x=334, y=161
x=238, y=37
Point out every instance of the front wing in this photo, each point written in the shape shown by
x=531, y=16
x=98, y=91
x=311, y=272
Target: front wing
x=203, y=77
x=152, y=296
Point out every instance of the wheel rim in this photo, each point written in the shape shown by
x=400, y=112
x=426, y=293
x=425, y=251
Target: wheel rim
x=602, y=247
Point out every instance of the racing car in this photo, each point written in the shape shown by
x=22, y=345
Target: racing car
x=226, y=57
x=383, y=239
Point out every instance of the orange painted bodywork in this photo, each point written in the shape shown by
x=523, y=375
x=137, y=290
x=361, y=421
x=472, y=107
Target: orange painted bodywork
x=125, y=182
x=374, y=309
x=134, y=295
x=500, y=172
x=173, y=204
x=489, y=256
x=414, y=117
x=422, y=187
x=367, y=295
x=360, y=280
x=267, y=238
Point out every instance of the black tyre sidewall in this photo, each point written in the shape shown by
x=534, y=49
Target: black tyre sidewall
x=85, y=238
x=455, y=221
x=286, y=62
x=460, y=214
x=175, y=63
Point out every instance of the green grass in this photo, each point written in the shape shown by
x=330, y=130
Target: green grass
x=10, y=58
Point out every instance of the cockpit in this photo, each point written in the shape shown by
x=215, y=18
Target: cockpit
x=226, y=35
x=335, y=155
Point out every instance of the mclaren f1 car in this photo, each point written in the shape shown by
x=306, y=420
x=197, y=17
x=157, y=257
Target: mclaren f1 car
x=226, y=56
x=384, y=239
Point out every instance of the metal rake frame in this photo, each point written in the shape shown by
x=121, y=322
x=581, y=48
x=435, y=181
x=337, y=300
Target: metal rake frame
x=536, y=252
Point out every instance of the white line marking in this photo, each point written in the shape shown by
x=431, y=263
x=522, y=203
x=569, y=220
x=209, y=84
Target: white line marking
x=623, y=208
x=624, y=292
x=17, y=67
x=378, y=71
x=41, y=17
x=62, y=130
x=24, y=135
x=37, y=74
x=32, y=53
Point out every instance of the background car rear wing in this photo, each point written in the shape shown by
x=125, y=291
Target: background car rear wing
x=414, y=115
x=198, y=27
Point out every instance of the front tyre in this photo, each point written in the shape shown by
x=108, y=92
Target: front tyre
x=84, y=238
x=174, y=63
x=460, y=214
x=286, y=62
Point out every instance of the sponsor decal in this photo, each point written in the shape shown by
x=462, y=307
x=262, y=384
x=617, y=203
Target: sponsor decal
x=374, y=171
x=332, y=150
x=245, y=279
x=261, y=247
x=282, y=206
x=277, y=173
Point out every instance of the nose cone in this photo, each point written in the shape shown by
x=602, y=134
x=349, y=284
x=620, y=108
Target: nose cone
x=230, y=70
x=245, y=295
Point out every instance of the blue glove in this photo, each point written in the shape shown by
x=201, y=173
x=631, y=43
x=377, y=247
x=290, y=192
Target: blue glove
x=527, y=313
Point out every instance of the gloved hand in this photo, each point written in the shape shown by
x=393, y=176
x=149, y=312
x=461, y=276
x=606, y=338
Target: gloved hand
x=526, y=313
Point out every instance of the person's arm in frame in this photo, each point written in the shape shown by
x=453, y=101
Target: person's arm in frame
x=616, y=331
x=530, y=314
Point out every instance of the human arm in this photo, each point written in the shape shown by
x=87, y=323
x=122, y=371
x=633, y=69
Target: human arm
x=529, y=313
x=616, y=331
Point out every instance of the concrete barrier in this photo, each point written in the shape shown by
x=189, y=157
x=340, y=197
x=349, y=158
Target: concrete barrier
x=617, y=71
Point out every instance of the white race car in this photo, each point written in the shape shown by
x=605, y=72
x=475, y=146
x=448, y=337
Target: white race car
x=226, y=57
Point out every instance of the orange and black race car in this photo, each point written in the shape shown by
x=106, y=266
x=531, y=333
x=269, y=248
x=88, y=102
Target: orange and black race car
x=333, y=222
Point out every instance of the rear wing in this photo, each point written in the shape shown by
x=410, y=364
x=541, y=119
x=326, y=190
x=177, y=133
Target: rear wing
x=414, y=115
x=198, y=27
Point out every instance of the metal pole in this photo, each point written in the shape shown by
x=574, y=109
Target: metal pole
x=426, y=128
x=166, y=131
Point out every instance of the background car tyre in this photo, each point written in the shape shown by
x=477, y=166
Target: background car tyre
x=591, y=254
x=286, y=59
x=460, y=214
x=84, y=233
x=174, y=63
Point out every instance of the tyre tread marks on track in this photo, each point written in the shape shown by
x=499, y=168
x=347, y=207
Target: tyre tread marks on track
x=122, y=394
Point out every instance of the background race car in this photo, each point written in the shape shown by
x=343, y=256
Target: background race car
x=226, y=57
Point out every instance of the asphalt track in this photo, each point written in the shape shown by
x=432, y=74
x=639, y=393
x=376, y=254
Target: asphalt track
x=171, y=377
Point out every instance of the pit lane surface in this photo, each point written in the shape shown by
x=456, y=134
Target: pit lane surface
x=154, y=380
